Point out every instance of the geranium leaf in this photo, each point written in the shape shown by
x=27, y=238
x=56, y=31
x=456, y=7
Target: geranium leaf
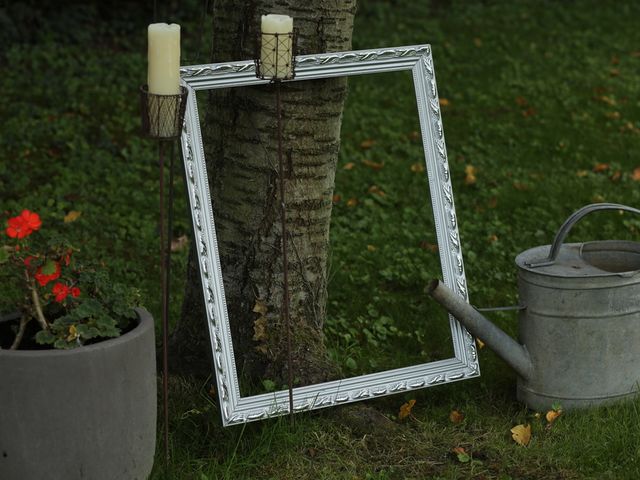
x=49, y=268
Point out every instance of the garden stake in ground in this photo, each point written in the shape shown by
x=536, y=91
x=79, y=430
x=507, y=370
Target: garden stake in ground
x=162, y=118
x=277, y=63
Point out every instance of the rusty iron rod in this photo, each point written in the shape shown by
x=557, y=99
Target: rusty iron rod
x=165, y=310
x=285, y=262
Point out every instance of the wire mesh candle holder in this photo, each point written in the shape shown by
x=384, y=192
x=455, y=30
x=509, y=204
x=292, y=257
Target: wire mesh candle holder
x=276, y=59
x=276, y=62
x=162, y=120
x=162, y=115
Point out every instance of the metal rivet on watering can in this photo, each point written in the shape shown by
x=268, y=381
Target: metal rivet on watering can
x=580, y=328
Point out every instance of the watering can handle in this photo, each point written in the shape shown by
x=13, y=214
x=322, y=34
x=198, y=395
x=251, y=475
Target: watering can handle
x=573, y=219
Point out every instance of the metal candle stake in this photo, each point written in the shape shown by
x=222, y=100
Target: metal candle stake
x=162, y=119
x=279, y=48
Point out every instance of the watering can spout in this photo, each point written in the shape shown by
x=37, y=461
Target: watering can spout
x=506, y=347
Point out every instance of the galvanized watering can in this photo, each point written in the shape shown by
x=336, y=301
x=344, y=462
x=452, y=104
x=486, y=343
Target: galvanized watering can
x=579, y=322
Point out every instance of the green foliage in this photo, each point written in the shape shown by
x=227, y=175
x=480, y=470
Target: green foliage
x=540, y=94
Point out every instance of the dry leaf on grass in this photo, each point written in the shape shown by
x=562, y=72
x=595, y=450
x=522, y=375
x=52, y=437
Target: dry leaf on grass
x=417, y=167
x=635, y=176
x=349, y=166
x=368, y=143
x=470, y=175
x=521, y=434
x=72, y=216
x=456, y=416
x=373, y=165
x=405, y=409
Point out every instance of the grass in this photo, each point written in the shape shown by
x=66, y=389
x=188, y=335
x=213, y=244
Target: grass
x=542, y=102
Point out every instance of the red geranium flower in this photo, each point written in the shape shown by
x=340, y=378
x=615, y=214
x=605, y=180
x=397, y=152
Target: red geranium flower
x=43, y=279
x=23, y=225
x=75, y=292
x=60, y=290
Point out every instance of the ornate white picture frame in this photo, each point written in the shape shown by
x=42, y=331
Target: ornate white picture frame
x=464, y=364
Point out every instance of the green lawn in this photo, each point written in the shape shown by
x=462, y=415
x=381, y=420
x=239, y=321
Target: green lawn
x=540, y=101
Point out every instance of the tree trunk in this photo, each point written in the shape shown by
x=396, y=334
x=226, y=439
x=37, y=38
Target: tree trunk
x=240, y=136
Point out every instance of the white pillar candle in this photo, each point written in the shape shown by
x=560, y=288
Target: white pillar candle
x=164, y=59
x=276, y=57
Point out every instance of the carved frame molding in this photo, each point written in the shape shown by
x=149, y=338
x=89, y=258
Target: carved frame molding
x=236, y=409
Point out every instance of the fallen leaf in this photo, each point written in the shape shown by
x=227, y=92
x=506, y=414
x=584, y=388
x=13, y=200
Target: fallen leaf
x=405, y=409
x=529, y=112
x=635, y=176
x=414, y=135
x=479, y=343
x=432, y=247
x=336, y=198
x=601, y=167
x=373, y=165
x=371, y=248
x=368, y=143
x=608, y=100
x=522, y=187
x=635, y=54
x=376, y=190
x=521, y=101
x=582, y=173
x=260, y=307
x=493, y=238
x=72, y=216
x=417, y=167
x=470, y=175
x=614, y=72
x=615, y=60
x=349, y=166
x=260, y=326
x=455, y=416
x=521, y=434
x=352, y=202
x=629, y=127
x=444, y=102
x=612, y=115
x=179, y=243
x=552, y=415
x=616, y=176
x=477, y=42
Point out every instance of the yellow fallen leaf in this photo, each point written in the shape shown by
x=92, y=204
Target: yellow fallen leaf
x=601, y=167
x=352, y=202
x=612, y=115
x=521, y=434
x=373, y=165
x=635, y=176
x=72, y=216
x=368, y=143
x=582, y=173
x=349, y=166
x=551, y=415
x=336, y=198
x=444, y=102
x=470, y=175
x=493, y=238
x=479, y=343
x=405, y=409
x=371, y=248
x=455, y=416
x=376, y=190
x=417, y=167
x=260, y=307
x=477, y=42
x=179, y=243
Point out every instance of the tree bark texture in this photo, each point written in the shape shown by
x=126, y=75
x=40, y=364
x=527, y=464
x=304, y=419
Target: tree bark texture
x=240, y=136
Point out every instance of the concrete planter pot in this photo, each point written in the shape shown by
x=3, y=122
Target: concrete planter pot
x=87, y=413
